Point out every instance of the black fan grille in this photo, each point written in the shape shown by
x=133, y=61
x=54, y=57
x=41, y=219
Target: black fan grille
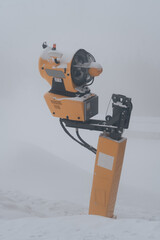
x=80, y=75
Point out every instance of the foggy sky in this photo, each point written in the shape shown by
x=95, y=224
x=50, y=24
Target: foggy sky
x=123, y=36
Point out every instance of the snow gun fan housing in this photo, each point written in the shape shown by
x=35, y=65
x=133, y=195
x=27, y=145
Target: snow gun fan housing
x=69, y=96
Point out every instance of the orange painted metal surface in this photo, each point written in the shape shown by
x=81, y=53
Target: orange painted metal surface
x=95, y=71
x=108, y=165
x=67, y=107
x=45, y=64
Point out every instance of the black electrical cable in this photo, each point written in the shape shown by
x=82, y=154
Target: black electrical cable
x=66, y=131
x=78, y=135
x=85, y=143
x=70, y=135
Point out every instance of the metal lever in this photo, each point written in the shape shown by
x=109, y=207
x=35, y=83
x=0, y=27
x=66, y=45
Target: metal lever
x=121, y=107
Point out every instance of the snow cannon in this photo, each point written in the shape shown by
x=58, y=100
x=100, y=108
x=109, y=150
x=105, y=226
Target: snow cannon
x=71, y=100
x=70, y=96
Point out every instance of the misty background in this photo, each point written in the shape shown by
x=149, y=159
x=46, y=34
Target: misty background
x=123, y=36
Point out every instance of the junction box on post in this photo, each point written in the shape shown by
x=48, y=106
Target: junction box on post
x=107, y=171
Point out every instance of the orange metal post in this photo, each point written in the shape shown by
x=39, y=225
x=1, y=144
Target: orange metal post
x=108, y=165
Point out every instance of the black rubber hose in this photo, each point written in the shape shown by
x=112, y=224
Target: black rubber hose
x=85, y=143
x=81, y=143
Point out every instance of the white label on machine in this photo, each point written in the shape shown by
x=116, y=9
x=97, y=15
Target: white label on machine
x=105, y=161
x=58, y=80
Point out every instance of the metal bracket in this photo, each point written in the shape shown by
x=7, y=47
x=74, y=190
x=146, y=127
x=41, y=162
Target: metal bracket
x=113, y=125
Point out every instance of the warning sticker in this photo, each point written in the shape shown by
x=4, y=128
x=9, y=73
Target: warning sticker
x=105, y=161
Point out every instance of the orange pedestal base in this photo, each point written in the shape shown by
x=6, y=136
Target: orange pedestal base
x=108, y=165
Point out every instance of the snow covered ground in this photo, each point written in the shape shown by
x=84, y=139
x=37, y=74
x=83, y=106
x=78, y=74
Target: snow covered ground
x=79, y=227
